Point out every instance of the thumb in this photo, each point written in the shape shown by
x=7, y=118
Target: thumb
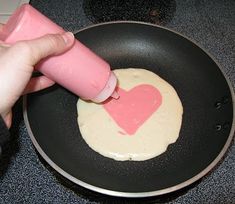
x=42, y=47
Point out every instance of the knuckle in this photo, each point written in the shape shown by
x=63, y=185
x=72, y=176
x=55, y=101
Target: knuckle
x=54, y=40
x=23, y=48
x=28, y=51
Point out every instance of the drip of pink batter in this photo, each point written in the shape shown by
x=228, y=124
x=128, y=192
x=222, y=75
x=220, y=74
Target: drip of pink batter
x=133, y=107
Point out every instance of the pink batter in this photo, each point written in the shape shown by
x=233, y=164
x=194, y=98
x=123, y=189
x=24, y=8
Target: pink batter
x=133, y=107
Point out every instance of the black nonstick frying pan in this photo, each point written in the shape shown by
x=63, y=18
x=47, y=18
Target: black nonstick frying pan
x=207, y=127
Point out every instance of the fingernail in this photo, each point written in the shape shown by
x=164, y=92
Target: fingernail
x=68, y=37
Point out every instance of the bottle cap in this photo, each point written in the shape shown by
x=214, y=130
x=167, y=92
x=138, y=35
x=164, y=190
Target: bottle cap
x=108, y=90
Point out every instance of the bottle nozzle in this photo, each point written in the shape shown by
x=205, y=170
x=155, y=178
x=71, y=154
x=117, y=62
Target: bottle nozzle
x=109, y=90
x=115, y=95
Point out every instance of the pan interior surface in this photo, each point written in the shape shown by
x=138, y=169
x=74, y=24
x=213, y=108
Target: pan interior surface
x=200, y=84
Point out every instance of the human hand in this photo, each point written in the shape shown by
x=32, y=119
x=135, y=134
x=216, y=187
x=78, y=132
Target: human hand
x=17, y=64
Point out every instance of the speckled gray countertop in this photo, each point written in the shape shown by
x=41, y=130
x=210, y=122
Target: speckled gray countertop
x=24, y=177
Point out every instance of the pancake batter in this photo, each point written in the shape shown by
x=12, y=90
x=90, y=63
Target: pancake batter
x=140, y=124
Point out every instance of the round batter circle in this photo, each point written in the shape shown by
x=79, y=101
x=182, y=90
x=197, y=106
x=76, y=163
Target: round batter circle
x=152, y=138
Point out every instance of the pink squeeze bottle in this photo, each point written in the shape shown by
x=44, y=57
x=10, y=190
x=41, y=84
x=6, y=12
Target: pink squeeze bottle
x=79, y=69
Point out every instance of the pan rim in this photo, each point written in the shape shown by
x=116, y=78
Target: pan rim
x=138, y=194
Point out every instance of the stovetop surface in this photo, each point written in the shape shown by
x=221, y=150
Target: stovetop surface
x=26, y=178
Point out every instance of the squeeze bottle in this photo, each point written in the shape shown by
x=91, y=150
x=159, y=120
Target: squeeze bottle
x=79, y=69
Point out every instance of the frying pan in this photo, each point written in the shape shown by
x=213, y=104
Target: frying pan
x=207, y=126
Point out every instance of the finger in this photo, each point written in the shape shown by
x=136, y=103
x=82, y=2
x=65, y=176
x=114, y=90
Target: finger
x=8, y=119
x=52, y=44
x=37, y=84
x=4, y=45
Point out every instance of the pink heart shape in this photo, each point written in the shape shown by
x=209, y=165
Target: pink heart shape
x=134, y=107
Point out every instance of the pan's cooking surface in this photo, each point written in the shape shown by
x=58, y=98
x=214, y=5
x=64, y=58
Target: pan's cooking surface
x=203, y=90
